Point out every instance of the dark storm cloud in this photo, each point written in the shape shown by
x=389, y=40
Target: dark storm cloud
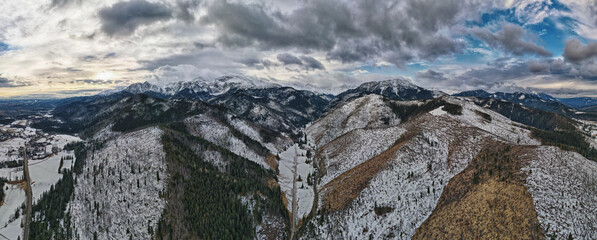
x=430, y=75
x=242, y=25
x=304, y=62
x=124, y=18
x=586, y=70
x=440, y=46
x=396, y=31
x=549, y=66
x=353, y=51
x=312, y=63
x=538, y=67
x=559, y=67
x=288, y=59
x=511, y=38
x=575, y=51
x=7, y=83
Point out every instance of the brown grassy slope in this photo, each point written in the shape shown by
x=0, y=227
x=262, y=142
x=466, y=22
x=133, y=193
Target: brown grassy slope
x=271, y=161
x=340, y=192
x=487, y=200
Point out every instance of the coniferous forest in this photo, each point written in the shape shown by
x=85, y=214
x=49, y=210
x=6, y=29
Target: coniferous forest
x=211, y=197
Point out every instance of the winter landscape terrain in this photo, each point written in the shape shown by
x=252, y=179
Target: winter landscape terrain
x=385, y=160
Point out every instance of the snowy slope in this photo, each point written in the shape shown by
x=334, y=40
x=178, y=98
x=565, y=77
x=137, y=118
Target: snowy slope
x=363, y=112
x=117, y=194
x=15, y=197
x=221, y=135
x=251, y=130
x=355, y=147
x=564, y=189
x=438, y=144
x=499, y=125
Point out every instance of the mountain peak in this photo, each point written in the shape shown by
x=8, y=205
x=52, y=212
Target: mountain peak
x=142, y=87
x=396, y=84
x=201, y=86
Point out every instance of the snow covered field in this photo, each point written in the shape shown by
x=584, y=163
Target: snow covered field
x=118, y=193
x=15, y=197
x=304, y=192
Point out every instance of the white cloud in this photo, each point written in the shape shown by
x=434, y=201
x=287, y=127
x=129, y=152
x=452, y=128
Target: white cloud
x=359, y=72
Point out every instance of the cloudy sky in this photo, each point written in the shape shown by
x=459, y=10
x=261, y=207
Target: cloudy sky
x=62, y=48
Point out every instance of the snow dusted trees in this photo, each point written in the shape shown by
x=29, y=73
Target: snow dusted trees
x=212, y=208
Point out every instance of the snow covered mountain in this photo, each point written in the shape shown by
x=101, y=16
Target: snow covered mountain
x=386, y=160
x=412, y=177
x=281, y=108
x=200, y=88
x=395, y=89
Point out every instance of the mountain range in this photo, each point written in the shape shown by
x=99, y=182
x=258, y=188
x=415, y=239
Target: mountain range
x=235, y=157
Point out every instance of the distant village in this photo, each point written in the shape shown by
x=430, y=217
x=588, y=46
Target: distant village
x=15, y=136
